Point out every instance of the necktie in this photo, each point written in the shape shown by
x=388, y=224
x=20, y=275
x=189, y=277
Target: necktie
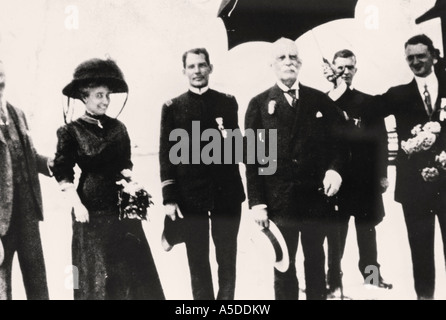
x=428, y=100
x=292, y=93
x=3, y=116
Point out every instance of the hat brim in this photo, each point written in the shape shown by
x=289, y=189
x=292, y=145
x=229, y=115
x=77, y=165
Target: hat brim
x=2, y=253
x=115, y=85
x=275, y=238
x=174, y=231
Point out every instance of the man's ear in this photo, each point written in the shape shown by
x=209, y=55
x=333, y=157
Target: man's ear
x=211, y=68
x=184, y=71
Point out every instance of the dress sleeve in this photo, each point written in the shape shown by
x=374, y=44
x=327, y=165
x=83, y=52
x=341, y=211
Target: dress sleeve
x=66, y=154
x=127, y=157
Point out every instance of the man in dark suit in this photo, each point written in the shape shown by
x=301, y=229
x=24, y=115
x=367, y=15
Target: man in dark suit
x=365, y=179
x=309, y=161
x=196, y=187
x=412, y=104
x=20, y=201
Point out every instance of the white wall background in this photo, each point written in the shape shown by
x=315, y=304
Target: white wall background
x=147, y=39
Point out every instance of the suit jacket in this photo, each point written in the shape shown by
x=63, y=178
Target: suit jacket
x=366, y=137
x=407, y=105
x=200, y=186
x=308, y=144
x=36, y=164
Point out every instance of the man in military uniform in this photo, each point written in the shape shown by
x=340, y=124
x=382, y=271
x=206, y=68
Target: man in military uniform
x=195, y=189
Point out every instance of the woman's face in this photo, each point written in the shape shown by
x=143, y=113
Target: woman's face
x=98, y=100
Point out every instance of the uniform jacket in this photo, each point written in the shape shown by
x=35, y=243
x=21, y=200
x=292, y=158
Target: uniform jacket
x=199, y=185
x=36, y=164
x=307, y=145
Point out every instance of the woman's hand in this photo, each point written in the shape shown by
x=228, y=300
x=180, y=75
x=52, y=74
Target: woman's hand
x=80, y=212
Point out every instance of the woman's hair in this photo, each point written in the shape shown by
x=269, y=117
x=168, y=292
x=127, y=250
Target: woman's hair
x=84, y=89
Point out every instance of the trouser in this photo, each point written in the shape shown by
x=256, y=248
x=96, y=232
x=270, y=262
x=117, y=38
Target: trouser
x=286, y=285
x=336, y=240
x=420, y=223
x=225, y=222
x=23, y=237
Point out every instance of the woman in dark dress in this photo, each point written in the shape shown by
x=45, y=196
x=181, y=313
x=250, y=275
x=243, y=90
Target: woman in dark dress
x=112, y=255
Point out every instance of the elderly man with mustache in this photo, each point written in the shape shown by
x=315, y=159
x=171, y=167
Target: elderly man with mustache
x=298, y=196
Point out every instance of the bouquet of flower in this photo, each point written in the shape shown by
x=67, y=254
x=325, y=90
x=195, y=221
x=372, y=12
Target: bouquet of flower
x=133, y=200
x=424, y=137
x=423, y=143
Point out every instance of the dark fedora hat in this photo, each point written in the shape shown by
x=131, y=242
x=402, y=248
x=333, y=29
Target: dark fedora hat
x=96, y=70
x=274, y=240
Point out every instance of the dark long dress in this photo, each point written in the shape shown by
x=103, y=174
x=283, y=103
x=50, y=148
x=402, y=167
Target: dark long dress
x=113, y=257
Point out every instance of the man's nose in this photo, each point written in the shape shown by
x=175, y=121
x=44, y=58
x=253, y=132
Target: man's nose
x=288, y=61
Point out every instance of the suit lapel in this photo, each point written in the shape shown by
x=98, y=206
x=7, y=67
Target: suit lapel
x=276, y=94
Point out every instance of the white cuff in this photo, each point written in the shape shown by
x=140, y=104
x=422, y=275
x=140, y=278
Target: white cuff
x=259, y=207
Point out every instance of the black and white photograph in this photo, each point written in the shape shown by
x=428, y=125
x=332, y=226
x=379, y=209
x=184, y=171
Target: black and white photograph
x=245, y=151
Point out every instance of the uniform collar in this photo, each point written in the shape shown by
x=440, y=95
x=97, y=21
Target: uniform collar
x=199, y=91
x=339, y=91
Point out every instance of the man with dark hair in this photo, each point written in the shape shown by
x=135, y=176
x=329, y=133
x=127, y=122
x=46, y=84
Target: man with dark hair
x=365, y=178
x=421, y=195
x=194, y=191
x=309, y=162
x=197, y=51
x=21, y=201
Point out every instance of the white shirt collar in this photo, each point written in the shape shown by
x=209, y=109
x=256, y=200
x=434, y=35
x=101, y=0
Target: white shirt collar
x=199, y=91
x=285, y=88
x=337, y=92
x=432, y=85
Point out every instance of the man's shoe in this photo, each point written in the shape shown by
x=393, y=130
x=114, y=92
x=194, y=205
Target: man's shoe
x=381, y=284
x=335, y=293
x=384, y=285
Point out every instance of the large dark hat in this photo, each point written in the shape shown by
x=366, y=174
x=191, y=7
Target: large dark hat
x=103, y=71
